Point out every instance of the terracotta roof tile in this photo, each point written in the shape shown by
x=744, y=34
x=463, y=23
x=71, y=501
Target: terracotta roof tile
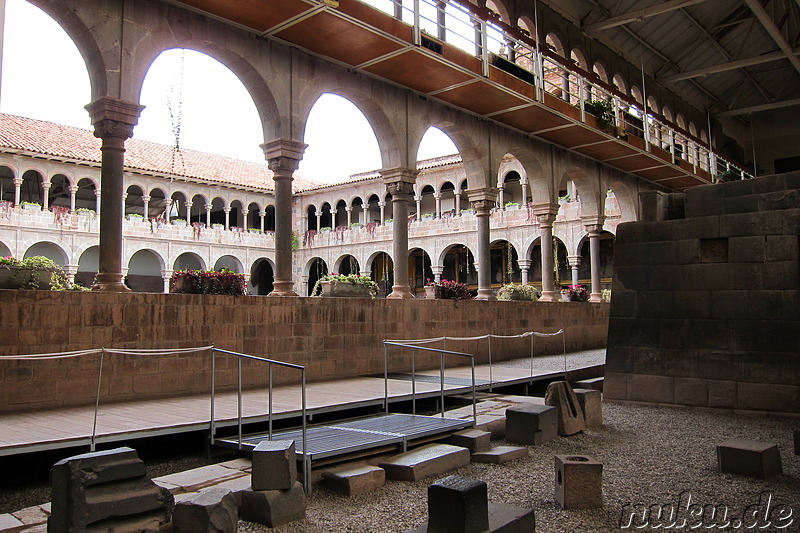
x=68, y=142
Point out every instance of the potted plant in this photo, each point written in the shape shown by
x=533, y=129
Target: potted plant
x=511, y=206
x=217, y=226
x=221, y=281
x=603, y=112
x=515, y=291
x=134, y=217
x=447, y=290
x=325, y=229
x=85, y=212
x=31, y=206
x=32, y=273
x=575, y=293
x=345, y=286
x=469, y=211
x=178, y=222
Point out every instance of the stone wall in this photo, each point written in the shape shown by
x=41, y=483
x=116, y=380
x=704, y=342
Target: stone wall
x=333, y=337
x=706, y=309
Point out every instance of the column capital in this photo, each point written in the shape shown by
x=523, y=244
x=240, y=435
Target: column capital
x=593, y=224
x=113, y=117
x=545, y=209
x=524, y=264
x=574, y=260
x=399, y=175
x=483, y=200
x=546, y=220
x=283, y=155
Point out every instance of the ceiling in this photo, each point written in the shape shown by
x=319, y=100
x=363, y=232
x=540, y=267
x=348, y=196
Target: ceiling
x=738, y=57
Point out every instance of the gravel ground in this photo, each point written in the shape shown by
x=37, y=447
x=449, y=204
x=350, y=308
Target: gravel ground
x=649, y=454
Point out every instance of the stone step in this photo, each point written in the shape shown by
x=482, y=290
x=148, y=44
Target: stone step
x=591, y=383
x=475, y=440
x=500, y=454
x=352, y=480
x=430, y=460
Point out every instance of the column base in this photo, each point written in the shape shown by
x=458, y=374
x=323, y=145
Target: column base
x=107, y=282
x=400, y=292
x=548, y=296
x=485, y=295
x=283, y=288
x=596, y=298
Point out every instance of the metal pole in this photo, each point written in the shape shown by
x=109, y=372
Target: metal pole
x=533, y=335
x=270, y=401
x=385, y=378
x=97, y=399
x=441, y=381
x=564, y=339
x=239, y=399
x=491, y=378
x=306, y=469
x=213, y=380
x=413, y=385
x=474, y=399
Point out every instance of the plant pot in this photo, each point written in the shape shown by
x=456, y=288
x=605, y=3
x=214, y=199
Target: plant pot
x=29, y=207
x=17, y=277
x=433, y=292
x=345, y=289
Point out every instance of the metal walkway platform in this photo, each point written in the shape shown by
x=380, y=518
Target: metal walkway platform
x=341, y=438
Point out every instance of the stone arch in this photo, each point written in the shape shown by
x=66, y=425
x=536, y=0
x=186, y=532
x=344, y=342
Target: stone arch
x=587, y=187
x=32, y=188
x=59, y=193
x=72, y=22
x=229, y=262
x=88, y=260
x=458, y=263
x=48, y=249
x=346, y=264
x=158, y=203
x=315, y=268
x=420, y=268
x=86, y=195
x=234, y=50
x=145, y=271
x=499, y=7
x=134, y=200
x=7, y=189
x=189, y=261
x=262, y=276
x=528, y=166
x=342, y=85
x=5, y=251
x=626, y=199
x=503, y=261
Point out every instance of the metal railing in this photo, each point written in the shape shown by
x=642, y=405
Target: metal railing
x=478, y=32
x=414, y=348
x=270, y=362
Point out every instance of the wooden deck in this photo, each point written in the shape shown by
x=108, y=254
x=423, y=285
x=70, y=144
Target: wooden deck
x=32, y=431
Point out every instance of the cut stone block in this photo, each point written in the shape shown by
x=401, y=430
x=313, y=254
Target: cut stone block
x=500, y=454
x=460, y=505
x=749, y=458
x=274, y=465
x=430, y=460
x=591, y=383
x=355, y=480
x=797, y=441
x=235, y=487
x=273, y=508
x=570, y=414
x=591, y=402
x=531, y=424
x=211, y=511
x=108, y=488
x=198, y=478
x=579, y=482
x=475, y=440
x=10, y=524
x=31, y=516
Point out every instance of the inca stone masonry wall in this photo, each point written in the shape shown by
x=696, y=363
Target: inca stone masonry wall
x=706, y=309
x=333, y=337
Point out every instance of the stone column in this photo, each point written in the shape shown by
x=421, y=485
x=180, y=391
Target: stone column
x=501, y=203
x=166, y=275
x=546, y=215
x=458, y=203
x=189, y=205
x=45, y=196
x=261, y=215
x=365, y=273
x=98, y=202
x=524, y=184
x=524, y=265
x=284, y=157
x=574, y=262
x=245, y=223
x=319, y=221
x=304, y=285
x=146, y=207
x=382, y=205
x=349, y=211
x=73, y=190
x=482, y=201
x=113, y=121
x=400, y=183
x=227, y=211
x=17, y=191
x=438, y=198
x=208, y=215
x=418, y=200
x=437, y=272
x=594, y=227
x=168, y=211
x=365, y=214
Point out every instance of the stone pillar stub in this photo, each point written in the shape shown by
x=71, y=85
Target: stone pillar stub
x=283, y=156
x=594, y=227
x=113, y=121
x=483, y=200
x=400, y=183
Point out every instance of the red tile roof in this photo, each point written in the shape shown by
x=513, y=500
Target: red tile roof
x=68, y=142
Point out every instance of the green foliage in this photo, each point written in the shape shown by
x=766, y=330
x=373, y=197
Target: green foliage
x=346, y=278
x=208, y=282
x=295, y=242
x=729, y=175
x=38, y=265
x=515, y=291
x=603, y=112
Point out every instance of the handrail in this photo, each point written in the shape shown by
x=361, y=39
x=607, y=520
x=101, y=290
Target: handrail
x=270, y=362
x=441, y=353
x=477, y=31
x=531, y=334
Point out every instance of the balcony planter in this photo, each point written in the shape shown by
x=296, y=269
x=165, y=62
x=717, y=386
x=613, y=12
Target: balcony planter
x=207, y=282
x=31, y=206
x=512, y=206
x=217, y=226
x=345, y=289
x=19, y=277
x=433, y=292
x=178, y=222
x=134, y=218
